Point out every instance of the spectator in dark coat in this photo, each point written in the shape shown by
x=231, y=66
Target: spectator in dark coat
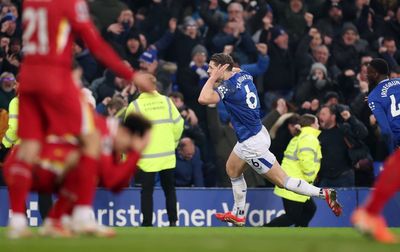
x=155, y=21
x=213, y=18
x=294, y=17
x=234, y=33
x=348, y=49
x=86, y=61
x=392, y=27
x=105, y=12
x=177, y=44
x=304, y=53
x=316, y=85
x=319, y=54
x=338, y=126
x=117, y=33
x=133, y=49
x=331, y=26
x=189, y=167
x=389, y=52
x=370, y=26
x=263, y=35
x=110, y=86
x=279, y=79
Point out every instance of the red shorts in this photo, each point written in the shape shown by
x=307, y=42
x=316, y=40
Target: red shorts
x=50, y=103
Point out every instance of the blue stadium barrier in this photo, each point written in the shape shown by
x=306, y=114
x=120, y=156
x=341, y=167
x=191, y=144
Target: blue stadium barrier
x=196, y=207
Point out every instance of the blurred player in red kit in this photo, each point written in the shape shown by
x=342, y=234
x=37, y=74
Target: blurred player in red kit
x=59, y=171
x=49, y=99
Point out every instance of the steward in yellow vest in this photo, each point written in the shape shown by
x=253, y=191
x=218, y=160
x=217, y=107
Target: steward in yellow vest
x=302, y=159
x=10, y=137
x=159, y=155
x=166, y=131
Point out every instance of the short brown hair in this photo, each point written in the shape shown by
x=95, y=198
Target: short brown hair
x=307, y=120
x=116, y=103
x=177, y=95
x=222, y=59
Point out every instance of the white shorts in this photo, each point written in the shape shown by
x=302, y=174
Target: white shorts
x=255, y=151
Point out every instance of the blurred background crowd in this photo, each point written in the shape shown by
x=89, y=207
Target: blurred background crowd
x=306, y=56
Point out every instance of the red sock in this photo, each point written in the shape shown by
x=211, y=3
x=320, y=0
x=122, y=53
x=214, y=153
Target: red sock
x=87, y=181
x=386, y=186
x=78, y=188
x=62, y=206
x=18, y=177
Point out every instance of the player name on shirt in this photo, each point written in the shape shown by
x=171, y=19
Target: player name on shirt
x=388, y=85
x=243, y=78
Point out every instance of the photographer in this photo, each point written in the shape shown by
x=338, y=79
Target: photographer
x=188, y=114
x=339, y=128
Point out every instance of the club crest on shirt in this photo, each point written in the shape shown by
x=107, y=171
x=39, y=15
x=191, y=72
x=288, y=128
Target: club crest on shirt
x=371, y=105
x=222, y=90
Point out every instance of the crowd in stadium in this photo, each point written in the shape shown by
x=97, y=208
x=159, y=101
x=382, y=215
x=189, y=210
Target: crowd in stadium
x=306, y=56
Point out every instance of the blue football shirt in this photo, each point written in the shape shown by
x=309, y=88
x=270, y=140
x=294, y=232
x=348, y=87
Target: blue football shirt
x=240, y=97
x=384, y=102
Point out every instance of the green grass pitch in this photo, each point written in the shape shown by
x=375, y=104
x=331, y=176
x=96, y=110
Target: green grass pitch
x=206, y=239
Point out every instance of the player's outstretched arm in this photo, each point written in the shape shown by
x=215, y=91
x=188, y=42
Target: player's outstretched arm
x=208, y=95
x=116, y=176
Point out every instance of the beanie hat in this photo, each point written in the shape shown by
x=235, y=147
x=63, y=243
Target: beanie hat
x=276, y=32
x=349, y=26
x=149, y=56
x=319, y=66
x=199, y=49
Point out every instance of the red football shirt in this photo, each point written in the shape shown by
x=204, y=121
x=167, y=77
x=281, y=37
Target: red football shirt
x=113, y=173
x=50, y=28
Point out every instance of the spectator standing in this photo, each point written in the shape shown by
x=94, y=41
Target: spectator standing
x=331, y=26
x=279, y=79
x=85, y=60
x=7, y=89
x=316, y=85
x=338, y=126
x=388, y=51
x=159, y=156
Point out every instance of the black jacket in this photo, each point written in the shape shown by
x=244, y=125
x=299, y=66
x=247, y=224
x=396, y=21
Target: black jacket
x=335, y=157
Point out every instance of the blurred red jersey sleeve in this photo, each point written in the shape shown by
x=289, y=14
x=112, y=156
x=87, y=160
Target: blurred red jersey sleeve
x=114, y=175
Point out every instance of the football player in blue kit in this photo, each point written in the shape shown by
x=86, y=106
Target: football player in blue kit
x=239, y=94
x=384, y=102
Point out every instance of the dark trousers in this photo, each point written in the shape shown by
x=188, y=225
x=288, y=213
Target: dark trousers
x=297, y=213
x=167, y=178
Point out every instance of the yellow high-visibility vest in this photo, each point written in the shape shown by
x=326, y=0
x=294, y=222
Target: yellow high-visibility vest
x=165, y=133
x=302, y=159
x=10, y=138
